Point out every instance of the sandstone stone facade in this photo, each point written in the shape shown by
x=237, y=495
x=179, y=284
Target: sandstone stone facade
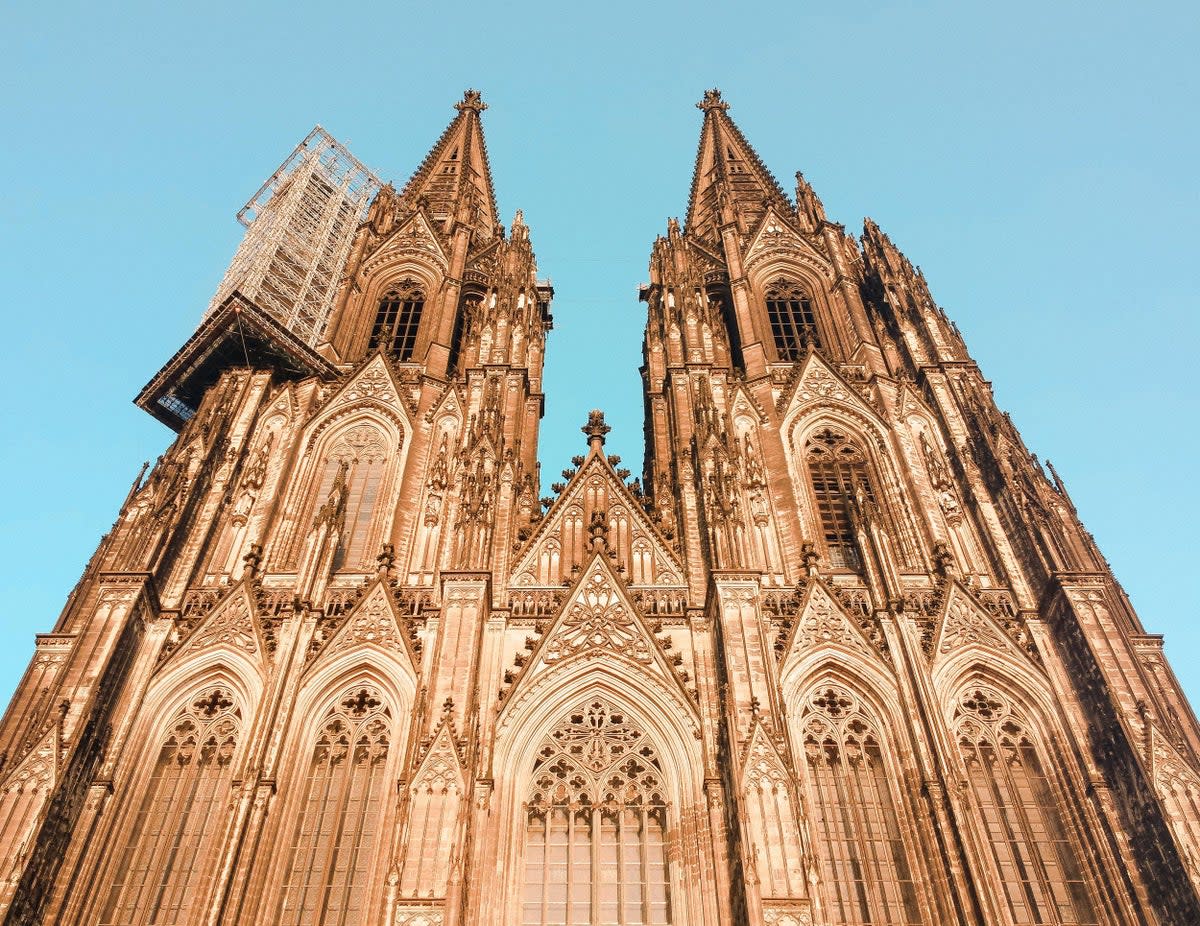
x=842, y=654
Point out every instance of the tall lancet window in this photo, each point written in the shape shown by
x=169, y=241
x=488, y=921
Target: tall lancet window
x=838, y=470
x=327, y=865
x=163, y=872
x=793, y=322
x=1035, y=855
x=363, y=452
x=863, y=858
x=596, y=825
x=397, y=320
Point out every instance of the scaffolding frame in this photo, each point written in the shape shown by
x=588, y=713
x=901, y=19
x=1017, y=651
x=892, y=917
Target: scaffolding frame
x=299, y=228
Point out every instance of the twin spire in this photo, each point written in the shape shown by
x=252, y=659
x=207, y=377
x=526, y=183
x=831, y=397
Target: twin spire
x=730, y=182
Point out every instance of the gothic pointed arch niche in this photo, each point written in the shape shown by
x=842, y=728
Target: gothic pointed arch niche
x=1023, y=813
x=350, y=472
x=862, y=835
x=397, y=319
x=595, y=847
x=652, y=713
x=336, y=816
x=792, y=319
x=160, y=870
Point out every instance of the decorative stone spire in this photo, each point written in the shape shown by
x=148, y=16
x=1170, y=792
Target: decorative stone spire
x=730, y=181
x=595, y=429
x=454, y=180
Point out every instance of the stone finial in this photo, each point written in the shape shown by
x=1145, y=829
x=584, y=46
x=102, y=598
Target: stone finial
x=472, y=100
x=595, y=429
x=712, y=100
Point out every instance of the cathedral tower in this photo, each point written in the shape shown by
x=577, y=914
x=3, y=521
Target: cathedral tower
x=842, y=654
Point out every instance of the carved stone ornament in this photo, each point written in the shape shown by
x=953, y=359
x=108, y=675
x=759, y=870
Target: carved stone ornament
x=598, y=618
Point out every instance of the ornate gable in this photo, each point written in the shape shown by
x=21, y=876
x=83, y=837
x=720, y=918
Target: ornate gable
x=594, y=488
x=762, y=763
x=372, y=622
x=414, y=237
x=965, y=623
x=776, y=235
x=232, y=622
x=440, y=767
x=373, y=385
x=821, y=622
x=38, y=770
x=599, y=619
x=819, y=384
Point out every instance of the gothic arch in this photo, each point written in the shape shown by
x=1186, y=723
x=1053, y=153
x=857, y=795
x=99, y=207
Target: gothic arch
x=365, y=429
x=853, y=757
x=764, y=271
x=668, y=723
x=348, y=737
x=1029, y=818
x=883, y=474
x=188, y=744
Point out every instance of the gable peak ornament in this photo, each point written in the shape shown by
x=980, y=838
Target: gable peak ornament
x=595, y=429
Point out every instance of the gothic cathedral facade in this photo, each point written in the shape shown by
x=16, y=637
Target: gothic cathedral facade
x=842, y=654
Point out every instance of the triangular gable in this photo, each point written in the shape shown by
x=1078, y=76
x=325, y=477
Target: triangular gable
x=668, y=569
x=415, y=236
x=598, y=616
x=822, y=622
x=909, y=401
x=818, y=383
x=440, y=769
x=373, y=622
x=965, y=623
x=374, y=382
x=231, y=623
x=762, y=762
x=776, y=234
x=743, y=402
x=38, y=770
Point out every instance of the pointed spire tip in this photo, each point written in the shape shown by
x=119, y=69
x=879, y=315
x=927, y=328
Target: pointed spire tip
x=712, y=100
x=472, y=100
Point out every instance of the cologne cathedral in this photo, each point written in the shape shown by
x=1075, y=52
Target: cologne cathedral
x=842, y=654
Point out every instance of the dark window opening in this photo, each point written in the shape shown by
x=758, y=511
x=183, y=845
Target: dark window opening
x=838, y=471
x=793, y=322
x=397, y=320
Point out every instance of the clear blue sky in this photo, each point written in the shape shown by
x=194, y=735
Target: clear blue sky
x=1038, y=160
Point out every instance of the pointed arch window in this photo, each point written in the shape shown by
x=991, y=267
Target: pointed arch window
x=596, y=825
x=1035, y=855
x=333, y=844
x=864, y=861
x=837, y=468
x=163, y=873
x=793, y=322
x=397, y=320
x=362, y=454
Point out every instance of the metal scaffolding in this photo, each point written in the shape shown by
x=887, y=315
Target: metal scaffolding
x=299, y=227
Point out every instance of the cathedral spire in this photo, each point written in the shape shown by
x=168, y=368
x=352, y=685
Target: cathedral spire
x=454, y=181
x=730, y=181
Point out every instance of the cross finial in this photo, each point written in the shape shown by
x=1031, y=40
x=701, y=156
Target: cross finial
x=595, y=429
x=712, y=100
x=473, y=100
